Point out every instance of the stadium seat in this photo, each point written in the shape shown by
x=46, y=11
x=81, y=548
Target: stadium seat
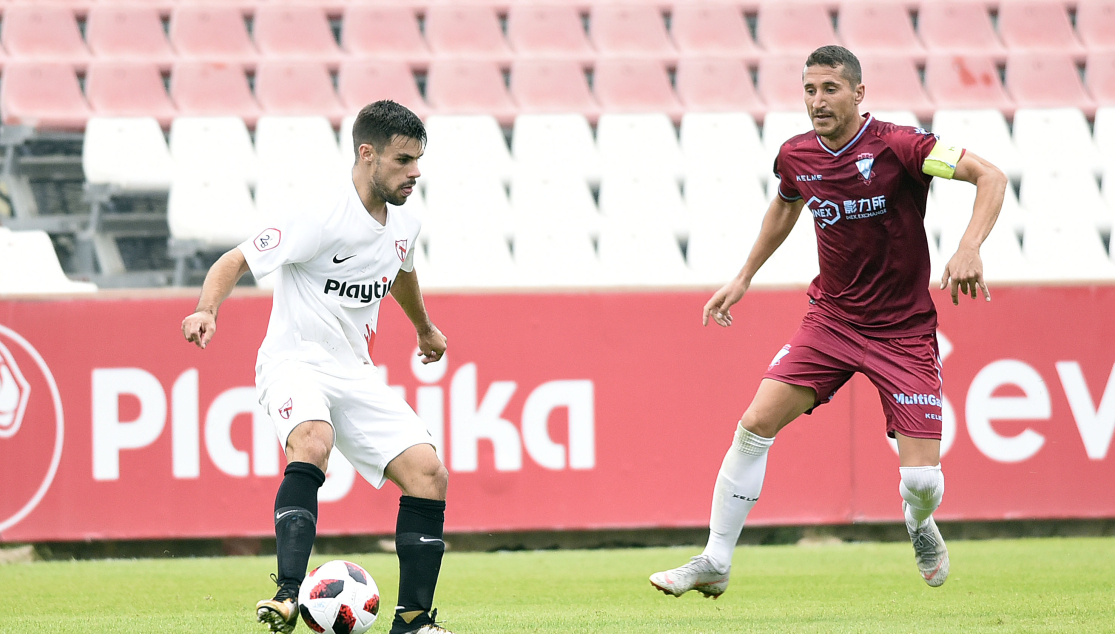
x=1066, y=252
x=465, y=144
x=641, y=254
x=795, y=262
x=878, y=28
x=291, y=88
x=953, y=202
x=630, y=30
x=723, y=197
x=984, y=132
x=126, y=152
x=213, y=213
x=1108, y=189
x=722, y=143
x=456, y=31
x=44, y=33
x=712, y=29
x=212, y=147
x=128, y=33
x=1104, y=135
x=468, y=204
x=635, y=86
x=717, y=84
x=549, y=32
x=204, y=89
x=1055, y=138
x=1038, y=26
x=961, y=82
x=717, y=248
x=469, y=261
x=465, y=87
x=644, y=199
x=892, y=83
x=301, y=148
x=777, y=128
x=210, y=32
x=794, y=28
x=552, y=87
x=363, y=81
x=44, y=96
x=644, y=144
x=29, y=265
x=959, y=27
x=128, y=89
x=1063, y=195
x=1099, y=77
x=557, y=254
x=780, y=82
x=292, y=31
x=1001, y=253
x=278, y=193
x=1047, y=80
x=1095, y=24
x=545, y=198
x=384, y=31
x=556, y=144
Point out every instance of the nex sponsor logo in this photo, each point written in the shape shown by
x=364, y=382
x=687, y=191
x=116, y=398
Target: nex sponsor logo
x=363, y=292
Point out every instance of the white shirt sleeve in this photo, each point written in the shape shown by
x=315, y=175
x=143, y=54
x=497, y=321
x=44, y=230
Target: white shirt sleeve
x=290, y=239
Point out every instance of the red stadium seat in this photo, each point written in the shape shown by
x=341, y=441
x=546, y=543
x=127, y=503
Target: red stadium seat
x=966, y=82
x=295, y=32
x=552, y=87
x=879, y=28
x=1099, y=76
x=1038, y=25
x=43, y=32
x=384, y=32
x=215, y=33
x=548, y=31
x=630, y=30
x=892, y=83
x=1047, y=80
x=292, y=88
x=43, y=95
x=363, y=81
x=794, y=27
x=717, y=84
x=959, y=28
x=128, y=33
x=635, y=86
x=204, y=89
x=469, y=87
x=128, y=89
x=780, y=84
x=1095, y=24
x=466, y=32
x=712, y=29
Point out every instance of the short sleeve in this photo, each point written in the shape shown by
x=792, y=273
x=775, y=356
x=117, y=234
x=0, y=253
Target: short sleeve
x=942, y=160
x=408, y=261
x=287, y=240
x=913, y=146
x=786, y=189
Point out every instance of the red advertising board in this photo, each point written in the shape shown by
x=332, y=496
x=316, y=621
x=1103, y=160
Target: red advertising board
x=553, y=411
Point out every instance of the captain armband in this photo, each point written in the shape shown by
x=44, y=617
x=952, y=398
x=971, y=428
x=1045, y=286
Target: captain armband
x=942, y=161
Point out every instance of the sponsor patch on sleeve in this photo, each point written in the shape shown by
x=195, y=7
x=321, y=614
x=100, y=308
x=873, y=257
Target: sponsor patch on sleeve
x=942, y=161
x=268, y=239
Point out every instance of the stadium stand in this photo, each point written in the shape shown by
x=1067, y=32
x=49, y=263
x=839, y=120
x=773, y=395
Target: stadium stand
x=795, y=262
x=1104, y=135
x=636, y=199
x=43, y=32
x=894, y=84
x=630, y=30
x=1066, y=196
x=210, y=32
x=557, y=254
x=540, y=200
x=714, y=246
x=29, y=265
x=363, y=81
x=1099, y=77
x=717, y=84
x=555, y=144
x=299, y=148
x=294, y=88
x=128, y=89
x=779, y=126
x=794, y=27
x=1047, y=80
x=45, y=94
x=959, y=82
x=207, y=214
x=469, y=87
x=639, y=143
x=128, y=33
x=465, y=145
x=129, y=153
x=1054, y=139
x=723, y=197
x=779, y=82
x=1038, y=26
x=548, y=31
x=707, y=29
x=1066, y=251
x=210, y=147
x=461, y=259
x=209, y=89
x=384, y=32
x=985, y=132
x=723, y=144
x=295, y=31
x=879, y=29
x=1095, y=24
x=640, y=254
x=552, y=86
x=456, y=31
x=959, y=27
x=635, y=86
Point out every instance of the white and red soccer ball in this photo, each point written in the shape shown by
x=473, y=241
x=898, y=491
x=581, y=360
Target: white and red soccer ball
x=339, y=597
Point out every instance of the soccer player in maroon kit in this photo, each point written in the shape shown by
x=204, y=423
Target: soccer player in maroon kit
x=865, y=182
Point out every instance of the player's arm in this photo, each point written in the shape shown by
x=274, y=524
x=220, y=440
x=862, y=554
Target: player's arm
x=779, y=220
x=405, y=290
x=964, y=271
x=199, y=327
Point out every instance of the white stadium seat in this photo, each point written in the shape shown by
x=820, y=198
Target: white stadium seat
x=1055, y=139
x=213, y=146
x=952, y=202
x=1103, y=134
x=984, y=132
x=467, y=203
x=777, y=128
x=542, y=198
x=465, y=145
x=127, y=152
x=469, y=260
x=213, y=212
x=1065, y=195
x=556, y=253
x=717, y=249
x=345, y=150
x=644, y=198
x=724, y=196
x=641, y=254
x=1001, y=254
x=299, y=148
x=725, y=143
x=795, y=262
x=644, y=144
x=29, y=265
x=897, y=117
x=1066, y=252
x=555, y=143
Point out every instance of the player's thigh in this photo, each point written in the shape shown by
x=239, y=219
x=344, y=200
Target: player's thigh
x=907, y=373
x=374, y=425
x=298, y=405
x=775, y=405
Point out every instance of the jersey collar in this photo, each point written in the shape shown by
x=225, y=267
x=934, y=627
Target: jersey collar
x=849, y=143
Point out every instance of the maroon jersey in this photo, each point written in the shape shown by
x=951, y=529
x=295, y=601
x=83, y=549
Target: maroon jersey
x=868, y=204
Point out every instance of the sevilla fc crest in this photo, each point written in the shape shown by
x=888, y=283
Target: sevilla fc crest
x=284, y=411
x=401, y=249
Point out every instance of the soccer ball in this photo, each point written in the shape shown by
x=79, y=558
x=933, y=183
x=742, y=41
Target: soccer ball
x=339, y=597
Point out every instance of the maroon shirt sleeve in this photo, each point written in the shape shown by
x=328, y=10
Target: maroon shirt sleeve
x=786, y=189
x=912, y=146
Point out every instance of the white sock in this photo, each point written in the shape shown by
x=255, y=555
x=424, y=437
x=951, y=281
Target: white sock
x=922, y=488
x=737, y=489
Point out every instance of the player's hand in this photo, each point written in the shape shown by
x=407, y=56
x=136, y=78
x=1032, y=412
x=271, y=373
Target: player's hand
x=431, y=345
x=199, y=327
x=964, y=274
x=721, y=301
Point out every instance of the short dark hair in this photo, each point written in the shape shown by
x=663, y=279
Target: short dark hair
x=833, y=56
x=379, y=122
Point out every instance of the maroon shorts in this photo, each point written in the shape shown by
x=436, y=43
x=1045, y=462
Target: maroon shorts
x=825, y=352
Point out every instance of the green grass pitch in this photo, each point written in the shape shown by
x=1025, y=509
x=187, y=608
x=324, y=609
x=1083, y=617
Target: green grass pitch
x=1028, y=585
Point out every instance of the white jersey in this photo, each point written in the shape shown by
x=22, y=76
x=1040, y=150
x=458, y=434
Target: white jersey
x=337, y=263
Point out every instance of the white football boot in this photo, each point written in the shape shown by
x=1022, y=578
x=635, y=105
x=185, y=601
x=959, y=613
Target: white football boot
x=699, y=574
x=930, y=552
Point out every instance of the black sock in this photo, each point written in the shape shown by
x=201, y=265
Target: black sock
x=296, y=520
x=418, y=542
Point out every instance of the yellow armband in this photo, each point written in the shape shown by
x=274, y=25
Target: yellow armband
x=942, y=161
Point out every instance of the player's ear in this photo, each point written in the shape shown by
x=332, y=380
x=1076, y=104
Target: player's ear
x=861, y=91
x=367, y=152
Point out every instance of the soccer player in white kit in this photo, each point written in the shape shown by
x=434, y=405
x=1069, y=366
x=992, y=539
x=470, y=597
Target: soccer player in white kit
x=314, y=371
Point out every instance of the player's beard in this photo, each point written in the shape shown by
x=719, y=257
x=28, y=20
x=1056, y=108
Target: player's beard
x=395, y=197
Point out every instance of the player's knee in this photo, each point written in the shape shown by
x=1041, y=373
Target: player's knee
x=922, y=486
x=749, y=442
x=757, y=425
x=310, y=442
